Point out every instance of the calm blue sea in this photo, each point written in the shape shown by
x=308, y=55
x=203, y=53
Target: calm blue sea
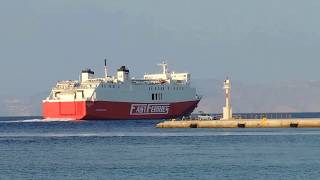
x=31, y=148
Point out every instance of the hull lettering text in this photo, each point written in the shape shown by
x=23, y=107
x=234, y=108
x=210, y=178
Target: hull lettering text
x=145, y=109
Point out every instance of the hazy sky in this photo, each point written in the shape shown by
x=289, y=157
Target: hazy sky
x=250, y=40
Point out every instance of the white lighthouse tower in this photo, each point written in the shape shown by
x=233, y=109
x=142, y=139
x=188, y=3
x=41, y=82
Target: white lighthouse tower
x=227, y=110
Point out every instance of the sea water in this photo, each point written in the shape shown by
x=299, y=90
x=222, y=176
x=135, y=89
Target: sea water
x=32, y=148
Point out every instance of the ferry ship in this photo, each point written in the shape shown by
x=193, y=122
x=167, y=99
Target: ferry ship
x=165, y=95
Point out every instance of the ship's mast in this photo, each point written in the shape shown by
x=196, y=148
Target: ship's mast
x=105, y=69
x=164, y=67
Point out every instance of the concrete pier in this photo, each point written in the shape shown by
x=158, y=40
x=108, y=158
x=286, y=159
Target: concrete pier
x=243, y=123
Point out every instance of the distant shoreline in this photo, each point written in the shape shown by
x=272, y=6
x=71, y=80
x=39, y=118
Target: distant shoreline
x=243, y=115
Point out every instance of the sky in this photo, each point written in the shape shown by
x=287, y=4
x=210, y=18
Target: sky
x=256, y=41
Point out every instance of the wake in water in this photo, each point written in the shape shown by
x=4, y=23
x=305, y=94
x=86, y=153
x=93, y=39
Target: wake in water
x=35, y=120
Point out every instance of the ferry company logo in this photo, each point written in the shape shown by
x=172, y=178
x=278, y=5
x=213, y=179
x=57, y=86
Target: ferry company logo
x=145, y=109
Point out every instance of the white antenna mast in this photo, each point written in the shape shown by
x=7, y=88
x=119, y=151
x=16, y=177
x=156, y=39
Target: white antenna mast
x=164, y=67
x=105, y=69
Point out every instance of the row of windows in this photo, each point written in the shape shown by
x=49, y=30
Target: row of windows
x=150, y=88
x=162, y=88
x=156, y=96
x=110, y=86
x=157, y=88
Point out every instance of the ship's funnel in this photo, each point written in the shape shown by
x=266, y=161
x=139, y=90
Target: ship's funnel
x=123, y=74
x=87, y=74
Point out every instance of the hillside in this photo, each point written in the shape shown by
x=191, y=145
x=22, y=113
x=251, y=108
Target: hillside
x=272, y=97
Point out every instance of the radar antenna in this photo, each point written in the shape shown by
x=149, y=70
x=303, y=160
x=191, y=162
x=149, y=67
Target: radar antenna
x=164, y=66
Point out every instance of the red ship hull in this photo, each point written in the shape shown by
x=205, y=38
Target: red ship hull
x=106, y=110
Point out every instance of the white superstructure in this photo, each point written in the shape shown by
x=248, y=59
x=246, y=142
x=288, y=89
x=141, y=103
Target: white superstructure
x=162, y=87
x=155, y=96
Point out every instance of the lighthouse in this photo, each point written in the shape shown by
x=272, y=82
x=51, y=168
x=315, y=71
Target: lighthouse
x=227, y=110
